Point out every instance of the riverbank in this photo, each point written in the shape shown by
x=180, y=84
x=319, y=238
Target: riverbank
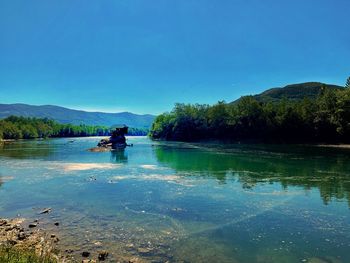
x=24, y=241
x=21, y=242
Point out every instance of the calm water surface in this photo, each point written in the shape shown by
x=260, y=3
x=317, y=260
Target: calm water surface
x=181, y=202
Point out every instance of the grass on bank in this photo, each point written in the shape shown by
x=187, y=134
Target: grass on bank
x=15, y=255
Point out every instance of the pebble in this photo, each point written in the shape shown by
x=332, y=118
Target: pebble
x=102, y=255
x=9, y=228
x=21, y=236
x=56, y=224
x=129, y=246
x=85, y=254
x=45, y=211
x=144, y=250
x=31, y=225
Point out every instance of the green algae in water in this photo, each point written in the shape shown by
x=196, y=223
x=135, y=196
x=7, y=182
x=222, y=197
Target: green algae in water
x=184, y=202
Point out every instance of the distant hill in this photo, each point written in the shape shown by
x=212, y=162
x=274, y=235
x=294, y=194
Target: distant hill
x=293, y=92
x=65, y=115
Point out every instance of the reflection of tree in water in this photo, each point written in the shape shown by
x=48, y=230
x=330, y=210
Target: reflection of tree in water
x=119, y=156
x=26, y=149
x=330, y=173
x=330, y=186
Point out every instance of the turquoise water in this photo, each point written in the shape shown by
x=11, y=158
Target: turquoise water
x=181, y=202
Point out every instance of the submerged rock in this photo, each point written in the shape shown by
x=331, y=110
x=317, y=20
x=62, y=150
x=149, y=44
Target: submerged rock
x=323, y=260
x=31, y=225
x=98, y=243
x=85, y=254
x=45, y=211
x=99, y=149
x=144, y=250
x=3, y=222
x=21, y=236
x=102, y=255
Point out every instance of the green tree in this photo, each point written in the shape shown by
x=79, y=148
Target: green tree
x=325, y=119
x=29, y=132
x=342, y=113
x=347, y=84
x=11, y=131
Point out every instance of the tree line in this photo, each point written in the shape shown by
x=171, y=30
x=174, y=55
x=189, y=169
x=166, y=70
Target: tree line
x=15, y=127
x=325, y=118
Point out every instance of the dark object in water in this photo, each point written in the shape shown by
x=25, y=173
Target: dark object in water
x=85, y=254
x=45, y=211
x=31, y=225
x=102, y=255
x=117, y=140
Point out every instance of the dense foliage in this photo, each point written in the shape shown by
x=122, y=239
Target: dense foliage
x=347, y=84
x=137, y=131
x=295, y=92
x=15, y=127
x=28, y=128
x=323, y=119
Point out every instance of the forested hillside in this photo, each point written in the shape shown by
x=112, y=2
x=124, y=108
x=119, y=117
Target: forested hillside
x=295, y=92
x=15, y=127
x=76, y=117
x=322, y=118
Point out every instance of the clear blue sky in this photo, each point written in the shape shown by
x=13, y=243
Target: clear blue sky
x=143, y=56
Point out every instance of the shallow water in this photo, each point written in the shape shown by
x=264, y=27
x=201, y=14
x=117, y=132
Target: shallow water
x=183, y=202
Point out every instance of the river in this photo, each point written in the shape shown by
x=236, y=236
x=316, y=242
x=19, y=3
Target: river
x=183, y=202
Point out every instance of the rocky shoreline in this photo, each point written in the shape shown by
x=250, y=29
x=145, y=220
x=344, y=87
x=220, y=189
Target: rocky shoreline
x=17, y=233
x=27, y=236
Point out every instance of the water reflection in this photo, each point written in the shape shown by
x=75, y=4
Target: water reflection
x=329, y=172
x=164, y=203
x=27, y=149
x=119, y=156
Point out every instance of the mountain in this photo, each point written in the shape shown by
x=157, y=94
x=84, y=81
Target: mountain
x=293, y=92
x=65, y=115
